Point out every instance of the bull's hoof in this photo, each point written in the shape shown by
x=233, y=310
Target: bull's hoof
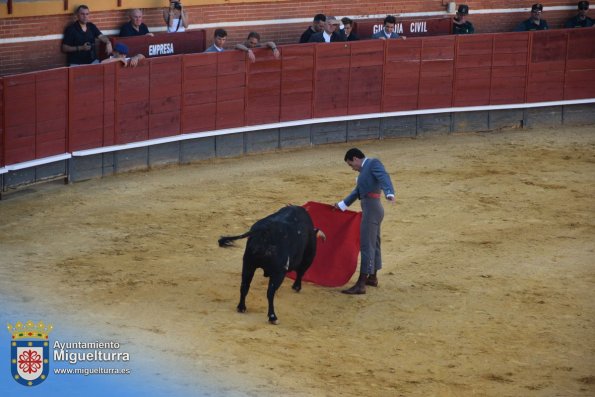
x=296, y=288
x=241, y=309
x=273, y=320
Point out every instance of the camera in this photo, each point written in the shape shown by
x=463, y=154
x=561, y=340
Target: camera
x=177, y=5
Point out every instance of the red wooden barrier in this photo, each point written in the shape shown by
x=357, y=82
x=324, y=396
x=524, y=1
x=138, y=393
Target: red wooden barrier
x=365, y=76
x=1, y=122
x=165, y=97
x=91, y=106
x=509, y=68
x=51, y=92
x=55, y=111
x=579, y=81
x=297, y=81
x=437, y=72
x=546, y=67
x=199, y=90
x=331, y=84
x=19, y=111
x=473, y=69
x=263, y=88
x=132, y=103
x=401, y=75
x=231, y=89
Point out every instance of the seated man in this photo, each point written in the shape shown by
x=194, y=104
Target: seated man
x=135, y=27
x=329, y=34
x=534, y=22
x=219, y=38
x=348, y=29
x=79, y=39
x=253, y=41
x=120, y=54
x=581, y=20
x=388, y=30
x=460, y=24
x=317, y=26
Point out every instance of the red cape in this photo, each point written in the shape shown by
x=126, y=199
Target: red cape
x=336, y=258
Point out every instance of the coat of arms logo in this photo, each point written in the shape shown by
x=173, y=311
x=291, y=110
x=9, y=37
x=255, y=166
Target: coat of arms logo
x=29, y=352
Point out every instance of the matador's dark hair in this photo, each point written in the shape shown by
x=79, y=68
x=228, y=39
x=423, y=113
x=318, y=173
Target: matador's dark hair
x=354, y=152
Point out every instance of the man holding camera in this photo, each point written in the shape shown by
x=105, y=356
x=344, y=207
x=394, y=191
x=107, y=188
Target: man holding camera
x=79, y=39
x=175, y=17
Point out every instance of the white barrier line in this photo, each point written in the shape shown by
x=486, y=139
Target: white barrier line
x=35, y=163
x=295, y=123
x=3, y=171
x=114, y=32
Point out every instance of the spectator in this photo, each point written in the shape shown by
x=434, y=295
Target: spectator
x=79, y=39
x=175, y=17
x=348, y=30
x=329, y=34
x=120, y=54
x=581, y=20
x=460, y=24
x=534, y=22
x=253, y=41
x=135, y=27
x=317, y=26
x=219, y=38
x=388, y=31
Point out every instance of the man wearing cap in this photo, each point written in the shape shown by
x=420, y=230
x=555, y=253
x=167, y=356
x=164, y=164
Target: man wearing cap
x=135, y=27
x=329, y=34
x=120, y=54
x=372, y=180
x=460, y=24
x=535, y=22
x=388, y=30
x=79, y=39
x=317, y=27
x=581, y=20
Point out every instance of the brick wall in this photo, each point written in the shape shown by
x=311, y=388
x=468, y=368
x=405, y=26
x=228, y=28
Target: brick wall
x=32, y=54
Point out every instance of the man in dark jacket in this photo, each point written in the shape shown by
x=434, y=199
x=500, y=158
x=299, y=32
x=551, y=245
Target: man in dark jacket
x=581, y=20
x=330, y=32
x=534, y=22
x=79, y=39
x=460, y=24
x=317, y=26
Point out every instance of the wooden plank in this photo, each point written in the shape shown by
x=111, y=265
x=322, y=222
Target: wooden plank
x=199, y=117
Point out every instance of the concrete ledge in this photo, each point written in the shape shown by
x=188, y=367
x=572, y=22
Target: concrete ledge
x=197, y=149
x=229, y=145
x=358, y=130
x=298, y=136
x=433, y=124
x=164, y=154
x=132, y=159
x=543, y=117
x=398, y=127
x=579, y=114
x=335, y=132
x=470, y=121
x=262, y=141
x=509, y=118
x=16, y=178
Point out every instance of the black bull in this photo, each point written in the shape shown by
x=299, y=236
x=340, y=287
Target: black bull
x=282, y=242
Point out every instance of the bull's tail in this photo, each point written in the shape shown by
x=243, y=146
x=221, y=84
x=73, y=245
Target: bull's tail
x=226, y=241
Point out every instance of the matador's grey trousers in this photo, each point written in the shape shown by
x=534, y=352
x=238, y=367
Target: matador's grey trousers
x=372, y=215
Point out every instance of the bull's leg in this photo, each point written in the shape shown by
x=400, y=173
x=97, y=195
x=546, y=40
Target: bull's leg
x=274, y=284
x=297, y=284
x=247, y=275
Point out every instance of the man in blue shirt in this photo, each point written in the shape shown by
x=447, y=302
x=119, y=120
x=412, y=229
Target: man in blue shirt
x=388, y=30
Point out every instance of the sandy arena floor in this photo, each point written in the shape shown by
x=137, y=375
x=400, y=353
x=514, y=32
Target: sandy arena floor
x=488, y=286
